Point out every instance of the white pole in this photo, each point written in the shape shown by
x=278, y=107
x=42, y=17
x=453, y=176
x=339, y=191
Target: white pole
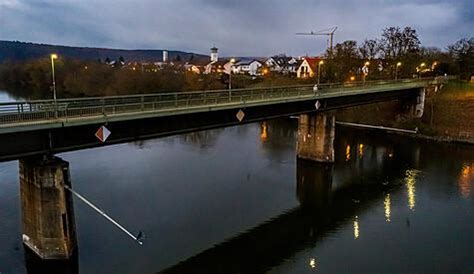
x=101, y=212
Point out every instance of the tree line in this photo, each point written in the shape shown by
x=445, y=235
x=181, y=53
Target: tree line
x=77, y=78
x=397, y=53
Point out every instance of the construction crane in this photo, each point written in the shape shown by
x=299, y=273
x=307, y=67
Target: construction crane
x=330, y=32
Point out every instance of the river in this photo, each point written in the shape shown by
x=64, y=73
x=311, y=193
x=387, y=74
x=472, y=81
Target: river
x=237, y=200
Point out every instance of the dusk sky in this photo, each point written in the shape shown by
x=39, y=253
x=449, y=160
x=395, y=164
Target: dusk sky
x=236, y=27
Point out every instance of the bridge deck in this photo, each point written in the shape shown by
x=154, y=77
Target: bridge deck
x=44, y=114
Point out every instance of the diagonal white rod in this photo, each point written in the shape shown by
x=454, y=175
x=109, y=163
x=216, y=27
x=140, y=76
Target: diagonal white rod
x=101, y=212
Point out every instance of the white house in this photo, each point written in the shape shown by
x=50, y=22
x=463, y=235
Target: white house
x=247, y=66
x=281, y=64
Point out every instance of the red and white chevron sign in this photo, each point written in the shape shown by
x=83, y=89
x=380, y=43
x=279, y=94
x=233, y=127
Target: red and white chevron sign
x=102, y=133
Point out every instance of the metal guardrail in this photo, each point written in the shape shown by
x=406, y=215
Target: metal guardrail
x=37, y=111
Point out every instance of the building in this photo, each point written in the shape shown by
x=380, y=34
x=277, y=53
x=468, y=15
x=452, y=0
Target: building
x=165, y=56
x=281, y=64
x=308, y=67
x=214, y=54
x=213, y=66
x=247, y=66
x=222, y=66
x=192, y=68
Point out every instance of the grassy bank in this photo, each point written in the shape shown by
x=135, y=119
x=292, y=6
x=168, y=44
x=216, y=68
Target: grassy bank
x=448, y=114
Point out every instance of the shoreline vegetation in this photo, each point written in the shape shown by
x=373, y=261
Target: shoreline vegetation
x=448, y=115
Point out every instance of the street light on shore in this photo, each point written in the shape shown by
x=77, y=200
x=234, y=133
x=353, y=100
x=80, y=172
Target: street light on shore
x=399, y=64
x=53, y=57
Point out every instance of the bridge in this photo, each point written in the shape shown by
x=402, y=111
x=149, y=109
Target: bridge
x=45, y=126
x=33, y=131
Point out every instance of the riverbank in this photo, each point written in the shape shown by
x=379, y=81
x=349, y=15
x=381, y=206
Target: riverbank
x=448, y=115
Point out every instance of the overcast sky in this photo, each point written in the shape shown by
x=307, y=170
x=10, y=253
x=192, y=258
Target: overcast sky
x=236, y=27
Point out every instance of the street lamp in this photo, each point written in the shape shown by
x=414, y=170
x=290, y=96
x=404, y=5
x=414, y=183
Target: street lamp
x=319, y=70
x=399, y=64
x=365, y=70
x=420, y=69
x=54, y=56
x=232, y=61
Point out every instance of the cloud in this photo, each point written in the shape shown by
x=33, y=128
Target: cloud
x=237, y=27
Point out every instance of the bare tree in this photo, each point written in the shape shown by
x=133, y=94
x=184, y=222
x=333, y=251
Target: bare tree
x=396, y=43
x=369, y=49
x=463, y=53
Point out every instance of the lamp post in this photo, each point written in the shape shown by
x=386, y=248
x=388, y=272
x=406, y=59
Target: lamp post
x=53, y=57
x=319, y=70
x=396, y=70
x=420, y=69
x=232, y=61
x=365, y=70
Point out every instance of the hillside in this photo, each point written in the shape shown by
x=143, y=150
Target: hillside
x=17, y=51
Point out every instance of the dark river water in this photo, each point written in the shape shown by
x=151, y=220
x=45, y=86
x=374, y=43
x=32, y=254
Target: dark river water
x=237, y=200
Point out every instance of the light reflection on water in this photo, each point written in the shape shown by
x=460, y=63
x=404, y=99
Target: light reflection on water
x=387, y=205
x=410, y=181
x=236, y=199
x=466, y=180
x=356, y=227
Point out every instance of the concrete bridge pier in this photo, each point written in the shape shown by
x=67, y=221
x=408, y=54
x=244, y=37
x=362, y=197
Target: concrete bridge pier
x=47, y=208
x=316, y=137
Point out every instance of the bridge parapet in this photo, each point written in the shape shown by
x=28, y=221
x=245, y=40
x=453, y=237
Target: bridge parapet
x=64, y=110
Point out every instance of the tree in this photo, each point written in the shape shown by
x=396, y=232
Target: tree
x=463, y=53
x=397, y=43
x=369, y=49
x=344, y=62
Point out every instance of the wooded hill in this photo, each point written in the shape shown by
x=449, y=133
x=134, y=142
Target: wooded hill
x=17, y=51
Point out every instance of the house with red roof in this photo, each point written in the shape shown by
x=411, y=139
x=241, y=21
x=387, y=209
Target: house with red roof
x=308, y=68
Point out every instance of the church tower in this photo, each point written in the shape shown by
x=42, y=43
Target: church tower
x=214, y=54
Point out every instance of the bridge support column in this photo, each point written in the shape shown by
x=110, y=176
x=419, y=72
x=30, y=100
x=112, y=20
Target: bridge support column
x=313, y=184
x=417, y=107
x=47, y=209
x=316, y=137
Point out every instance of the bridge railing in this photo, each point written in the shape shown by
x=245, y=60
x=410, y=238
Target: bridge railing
x=38, y=111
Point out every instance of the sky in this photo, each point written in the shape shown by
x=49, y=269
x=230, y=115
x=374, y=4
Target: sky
x=236, y=27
